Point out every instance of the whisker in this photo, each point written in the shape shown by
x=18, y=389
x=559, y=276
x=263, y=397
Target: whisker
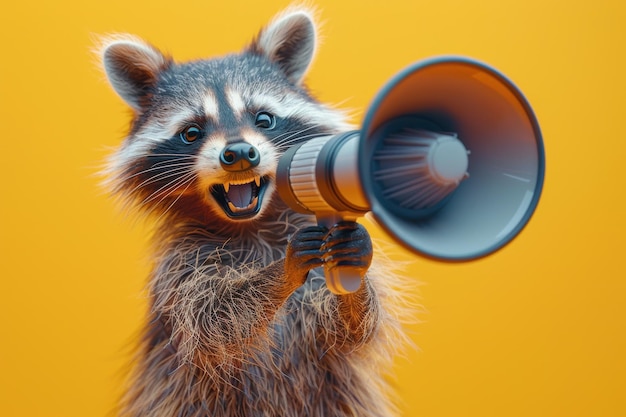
x=292, y=132
x=287, y=135
x=161, y=176
x=298, y=139
x=188, y=181
x=280, y=141
x=168, y=188
x=156, y=168
x=182, y=155
x=172, y=159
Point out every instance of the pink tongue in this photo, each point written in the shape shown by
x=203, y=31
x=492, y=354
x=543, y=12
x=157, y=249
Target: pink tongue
x=240, y=195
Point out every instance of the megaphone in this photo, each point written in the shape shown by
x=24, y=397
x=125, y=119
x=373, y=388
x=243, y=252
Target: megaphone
x=449, y=160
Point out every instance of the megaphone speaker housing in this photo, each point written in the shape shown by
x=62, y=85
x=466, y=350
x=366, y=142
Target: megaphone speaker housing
x=506, y=162
x=449, y=160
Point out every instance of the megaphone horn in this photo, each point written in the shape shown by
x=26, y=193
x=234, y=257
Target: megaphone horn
x=449, y=160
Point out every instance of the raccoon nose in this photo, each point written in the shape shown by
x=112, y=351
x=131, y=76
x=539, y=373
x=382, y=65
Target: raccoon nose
x=239, y=156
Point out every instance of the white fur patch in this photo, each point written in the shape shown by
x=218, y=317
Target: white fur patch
x=211, y=107
x=207, y=164
x=235, y=102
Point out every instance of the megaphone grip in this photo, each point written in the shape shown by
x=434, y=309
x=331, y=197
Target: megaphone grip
x=342, y=280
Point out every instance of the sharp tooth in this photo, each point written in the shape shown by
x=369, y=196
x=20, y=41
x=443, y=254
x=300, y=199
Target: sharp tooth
x=257, y=180
x=232, y=207
x=226, y=186
x=254, y=202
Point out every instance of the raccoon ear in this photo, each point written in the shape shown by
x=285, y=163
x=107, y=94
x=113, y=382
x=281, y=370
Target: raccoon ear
x=289, y=40
x=132, y=67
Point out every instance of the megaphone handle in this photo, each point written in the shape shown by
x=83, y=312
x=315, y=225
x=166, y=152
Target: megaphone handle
x=344, y=279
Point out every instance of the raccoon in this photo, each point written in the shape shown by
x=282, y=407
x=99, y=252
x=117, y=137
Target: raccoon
x=240, y=321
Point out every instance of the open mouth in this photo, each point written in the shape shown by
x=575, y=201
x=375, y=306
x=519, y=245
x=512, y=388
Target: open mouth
x=240, y=199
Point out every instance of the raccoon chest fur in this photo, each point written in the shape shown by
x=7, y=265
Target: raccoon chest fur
x=225, y=338
x=241, y=322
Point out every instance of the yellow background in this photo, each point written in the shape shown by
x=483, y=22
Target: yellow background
x=537, y=329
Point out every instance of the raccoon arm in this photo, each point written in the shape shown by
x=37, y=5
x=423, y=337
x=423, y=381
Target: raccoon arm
x=358, y=313
x=358, y=316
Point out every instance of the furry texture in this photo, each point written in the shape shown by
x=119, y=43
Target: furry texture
x=241, y=322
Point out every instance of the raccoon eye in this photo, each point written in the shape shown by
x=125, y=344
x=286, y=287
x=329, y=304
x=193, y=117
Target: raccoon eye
x=265, y=120
x=190, y=134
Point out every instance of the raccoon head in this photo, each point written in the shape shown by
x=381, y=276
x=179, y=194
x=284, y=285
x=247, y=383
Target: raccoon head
x=207, y=134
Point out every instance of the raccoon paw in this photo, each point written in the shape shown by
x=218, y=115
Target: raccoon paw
x=348, y=244
x=304, y=253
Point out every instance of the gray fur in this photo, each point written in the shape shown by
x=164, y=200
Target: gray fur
x=132, y=68
x=289, y=41
x=230, y=331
